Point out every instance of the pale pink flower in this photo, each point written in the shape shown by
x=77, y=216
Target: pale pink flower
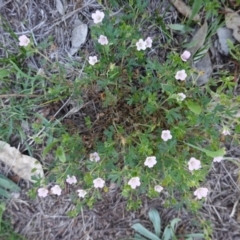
x=181, y=75
x=81, y=193
x=103, y=40
x=201, y=192
x=194, y=164
x=92, y=60
x=98, y=183
x=42, y=192
x=94, y=157
x=56, y=190
x=185, y=55
x=166, y=135
x=150, y=161
x=141, y=45
x=226, y=131
x=148, y=42
x=134, y=182
x=71, y=180
x=158, y=188
x=23, y=41
x=218, y=159
x=98, y=16
x=181, y=96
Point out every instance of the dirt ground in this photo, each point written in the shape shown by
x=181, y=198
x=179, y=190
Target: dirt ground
x=42, y=219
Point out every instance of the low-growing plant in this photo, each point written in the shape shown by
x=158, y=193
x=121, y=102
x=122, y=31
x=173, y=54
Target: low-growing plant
x=6, y=188
x=152, y=129
x=6, y=230
x=167, y=234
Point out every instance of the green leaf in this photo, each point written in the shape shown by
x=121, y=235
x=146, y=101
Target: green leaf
x=143, y=231
x=195, y=8
x=194, y=107
x=163, y=27
x=195, y=235
x=189, y=45
x=138, y=237
x=218, y=153
x=4, y=193
x=61, y=154
x=169, y=230
x=3, y=73
x=180, y=27
x=168, y=233
x=156, y=221
x=174, y=222
x=49, y=147
x=8, y=184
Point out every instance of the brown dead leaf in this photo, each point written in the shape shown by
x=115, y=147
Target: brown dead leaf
x=198, y=39
x=184, y=9
x=24, y=166
x=233, y=21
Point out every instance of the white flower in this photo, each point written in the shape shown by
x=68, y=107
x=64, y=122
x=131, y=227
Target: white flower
x=158, y=188
x=134, y=182
x=166, y=135
x=201, y=192
x=98, y=183
x=141, y=45
x=194, y=164
x=148, y=42
x=218, y=159
x=94, y=157
x=181, y=75
x=56, y=190
x=71, y=180
x=81, y=193
x=185, y=55
x=181, y=96
x=92, y=60
x=23, y=41
x=98, y=16
x=42, y=192
x=103, y=40
x=150, y=161
x=226, y=131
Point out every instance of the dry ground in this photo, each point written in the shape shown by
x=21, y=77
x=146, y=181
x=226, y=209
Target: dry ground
x=42, y=219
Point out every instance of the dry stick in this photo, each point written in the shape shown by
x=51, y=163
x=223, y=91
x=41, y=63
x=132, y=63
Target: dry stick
x=234, y=209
